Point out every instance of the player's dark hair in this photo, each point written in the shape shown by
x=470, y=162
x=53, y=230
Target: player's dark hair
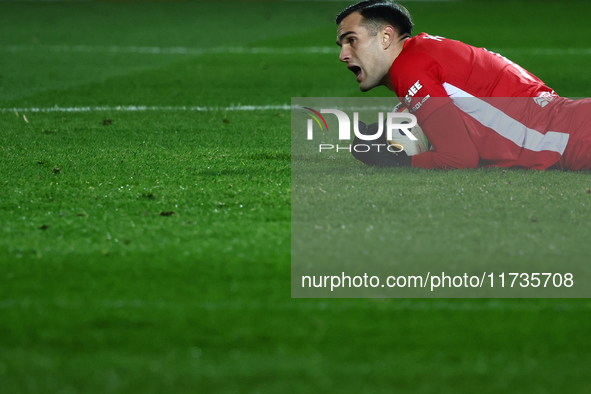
x=377, y=14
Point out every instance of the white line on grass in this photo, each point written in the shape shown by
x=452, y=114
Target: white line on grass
x=168, y=50
x=407, y=1
x=519, y=305
x=142, y=108
x=546, y=51
x=54, y=1
x=155, y=50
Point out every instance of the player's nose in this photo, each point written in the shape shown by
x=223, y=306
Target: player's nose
x=345, y=54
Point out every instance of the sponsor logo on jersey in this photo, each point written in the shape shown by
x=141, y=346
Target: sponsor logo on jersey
x=419, y=104
x=545, y=98
x=414, y=89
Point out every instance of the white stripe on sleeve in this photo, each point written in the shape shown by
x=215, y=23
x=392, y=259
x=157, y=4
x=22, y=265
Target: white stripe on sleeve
x=504, y=125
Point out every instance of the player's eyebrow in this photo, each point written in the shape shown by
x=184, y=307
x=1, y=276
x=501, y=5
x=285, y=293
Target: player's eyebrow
x=340, y=39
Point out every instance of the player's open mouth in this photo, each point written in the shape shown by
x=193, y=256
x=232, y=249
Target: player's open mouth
x=356, y=70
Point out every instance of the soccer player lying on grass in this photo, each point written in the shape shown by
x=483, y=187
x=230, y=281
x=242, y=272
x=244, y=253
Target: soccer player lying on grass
x=453, y=89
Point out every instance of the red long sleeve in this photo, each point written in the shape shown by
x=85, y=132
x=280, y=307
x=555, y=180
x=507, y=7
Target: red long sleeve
x=446, y=131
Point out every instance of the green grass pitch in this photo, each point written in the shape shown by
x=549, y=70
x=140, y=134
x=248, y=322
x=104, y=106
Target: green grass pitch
x=148, y=250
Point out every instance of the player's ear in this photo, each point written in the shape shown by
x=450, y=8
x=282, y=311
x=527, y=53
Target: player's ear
x=388, y=35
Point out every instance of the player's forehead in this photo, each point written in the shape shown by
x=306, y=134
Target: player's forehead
x=350, y=24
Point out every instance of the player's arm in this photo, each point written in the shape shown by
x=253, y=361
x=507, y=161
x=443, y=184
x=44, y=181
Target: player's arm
x=417, y=78
x=377, y=153
x=446, y=131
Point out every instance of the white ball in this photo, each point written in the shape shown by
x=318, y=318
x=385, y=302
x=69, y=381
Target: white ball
x=401, y=141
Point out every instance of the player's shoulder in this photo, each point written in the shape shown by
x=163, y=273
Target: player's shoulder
x=423, y=45
x=429, y=43
x=425, y=50
x=417, y=52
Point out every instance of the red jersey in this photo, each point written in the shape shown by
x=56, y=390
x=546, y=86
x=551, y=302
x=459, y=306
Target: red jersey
x=476, y=106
